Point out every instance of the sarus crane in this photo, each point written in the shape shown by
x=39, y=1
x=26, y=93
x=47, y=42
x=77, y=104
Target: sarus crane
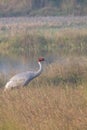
x=23, y=79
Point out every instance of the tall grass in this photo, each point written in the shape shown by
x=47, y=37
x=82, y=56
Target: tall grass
x=68, y=71
x=57, y=100
x=39, y=42
x=44, y=107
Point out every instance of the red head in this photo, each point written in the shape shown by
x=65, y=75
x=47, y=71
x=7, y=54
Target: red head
x=41, y=59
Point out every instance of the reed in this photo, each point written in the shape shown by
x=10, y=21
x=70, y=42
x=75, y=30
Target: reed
x=45, y=107
x=54, y=101
x=38, y=42
x=57, y=100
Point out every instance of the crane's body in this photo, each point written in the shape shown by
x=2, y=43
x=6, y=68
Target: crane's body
x=24, y=78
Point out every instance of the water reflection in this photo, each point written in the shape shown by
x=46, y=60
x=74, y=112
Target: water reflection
x=9, y=64
x=19, y=64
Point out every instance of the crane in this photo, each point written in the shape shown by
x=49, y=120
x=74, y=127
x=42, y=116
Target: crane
x=23, y=79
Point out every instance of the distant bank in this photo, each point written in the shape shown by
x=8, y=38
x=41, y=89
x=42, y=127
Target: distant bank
x=42, y=8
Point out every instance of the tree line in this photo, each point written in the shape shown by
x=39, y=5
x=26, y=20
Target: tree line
x=33, y=7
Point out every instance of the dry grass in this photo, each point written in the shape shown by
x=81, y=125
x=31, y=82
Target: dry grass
x=51, y=102
x=47, y=106
x=69, y=71
x=14, y=25
x=44, y=42
x=44, y=108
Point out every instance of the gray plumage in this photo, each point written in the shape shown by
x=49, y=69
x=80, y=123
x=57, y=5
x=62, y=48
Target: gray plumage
x=24, y=78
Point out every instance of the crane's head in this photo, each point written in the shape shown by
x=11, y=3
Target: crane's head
x=41, y=59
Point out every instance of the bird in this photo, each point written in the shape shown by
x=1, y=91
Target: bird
x=23, y=79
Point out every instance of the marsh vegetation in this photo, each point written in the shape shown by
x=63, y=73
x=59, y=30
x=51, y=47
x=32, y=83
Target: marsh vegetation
x=57, y=100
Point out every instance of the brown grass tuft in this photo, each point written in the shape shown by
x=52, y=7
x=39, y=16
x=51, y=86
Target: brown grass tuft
x=42, y=108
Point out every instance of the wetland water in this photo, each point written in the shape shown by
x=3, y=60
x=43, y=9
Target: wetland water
x=12, y=65
x=19, y=64
x=16, y=64
x=12, y=26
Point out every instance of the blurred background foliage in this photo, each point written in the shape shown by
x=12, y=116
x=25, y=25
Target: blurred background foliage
x=42, y=7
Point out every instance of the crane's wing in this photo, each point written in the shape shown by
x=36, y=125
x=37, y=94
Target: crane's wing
x=24, y=76
x=21, y=79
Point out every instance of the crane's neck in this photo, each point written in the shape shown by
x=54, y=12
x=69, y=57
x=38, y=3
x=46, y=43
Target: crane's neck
x=40, y=70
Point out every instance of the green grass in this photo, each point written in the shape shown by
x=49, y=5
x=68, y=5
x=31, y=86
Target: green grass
x=63, y=42
x=57, y=100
